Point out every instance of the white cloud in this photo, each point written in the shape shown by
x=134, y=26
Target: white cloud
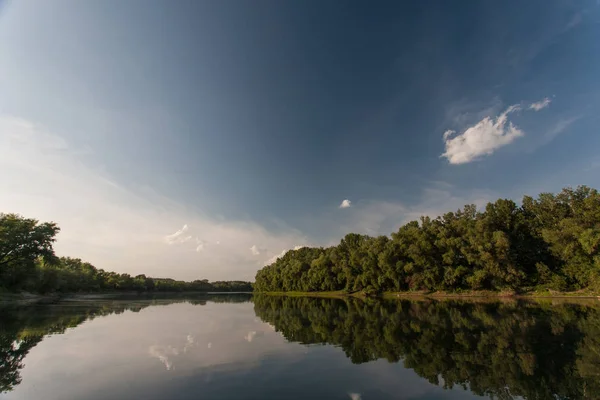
x=200, y=245
x=254, y=250
x=355, y=396
x=118, y=228
x=486, y=136
x=539, y=105
x=346, y=204
x=179, y=236
x=481, y=139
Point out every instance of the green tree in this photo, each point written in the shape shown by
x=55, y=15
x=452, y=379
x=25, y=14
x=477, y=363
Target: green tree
x=552, y=242
x=22, y=242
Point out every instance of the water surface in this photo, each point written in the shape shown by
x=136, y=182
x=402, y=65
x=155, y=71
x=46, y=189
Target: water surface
x=238, y=347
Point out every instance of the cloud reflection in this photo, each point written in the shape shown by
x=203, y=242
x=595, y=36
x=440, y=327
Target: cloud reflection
x=163, y=353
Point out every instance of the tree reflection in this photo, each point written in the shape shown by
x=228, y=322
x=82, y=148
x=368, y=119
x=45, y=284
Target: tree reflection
x=22, y=328
x=499, y=349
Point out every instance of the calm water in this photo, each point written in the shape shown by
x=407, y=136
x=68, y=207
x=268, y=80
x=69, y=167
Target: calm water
x=236, y=347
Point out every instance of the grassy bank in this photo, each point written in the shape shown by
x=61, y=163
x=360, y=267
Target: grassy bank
x=439, y=294
x=338, y=293
x=489, y=293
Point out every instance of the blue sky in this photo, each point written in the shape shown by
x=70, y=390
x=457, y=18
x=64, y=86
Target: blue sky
x=249, y=122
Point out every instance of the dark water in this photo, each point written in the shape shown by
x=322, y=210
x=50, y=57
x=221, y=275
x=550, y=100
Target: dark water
x=238, y=347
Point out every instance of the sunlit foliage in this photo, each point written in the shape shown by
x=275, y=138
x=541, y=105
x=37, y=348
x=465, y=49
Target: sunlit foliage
x=552, y=242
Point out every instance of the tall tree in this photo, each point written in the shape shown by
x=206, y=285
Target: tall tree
x=22, y=242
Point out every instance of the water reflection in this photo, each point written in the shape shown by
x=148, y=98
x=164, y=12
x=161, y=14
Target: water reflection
x=22, y=328
x=298, y=348
x=499, y=349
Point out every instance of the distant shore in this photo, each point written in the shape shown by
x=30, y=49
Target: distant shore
x=26, y=298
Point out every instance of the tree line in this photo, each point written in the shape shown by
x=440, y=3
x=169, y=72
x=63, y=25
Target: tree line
x=28, y=262
x=502, y=350
x=551, y=242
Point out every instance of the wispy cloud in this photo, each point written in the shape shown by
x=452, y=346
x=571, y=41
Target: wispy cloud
x=539, y=105
x=346, y=204
x=594, y=164
x=559, y=127
x=254, y=250
x=486, y=136
x=200, y=245
x=448, y=133
x=574, y=21
x=252, y=335
x=178, y=237
x=163, y=353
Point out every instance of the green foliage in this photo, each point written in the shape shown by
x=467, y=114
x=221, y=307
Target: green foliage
x=22, y=242
x=498, y=350
x=28, y=262
x=552, y=242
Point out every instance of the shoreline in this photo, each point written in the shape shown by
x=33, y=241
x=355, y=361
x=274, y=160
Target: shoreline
x=26, y=298
x=440, y=295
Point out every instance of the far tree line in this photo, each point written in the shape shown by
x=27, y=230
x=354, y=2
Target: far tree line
x=28, y=263
x=551, y=242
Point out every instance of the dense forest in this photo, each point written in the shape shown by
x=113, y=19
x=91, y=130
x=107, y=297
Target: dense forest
x=548, y=243
x=28, y=262
x=503, y=350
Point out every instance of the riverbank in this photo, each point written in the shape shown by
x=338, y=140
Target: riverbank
x=439, y=294
x=26, y=298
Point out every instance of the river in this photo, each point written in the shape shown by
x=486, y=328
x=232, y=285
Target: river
x=268, y=347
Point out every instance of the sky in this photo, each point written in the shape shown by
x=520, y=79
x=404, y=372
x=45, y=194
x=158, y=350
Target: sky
x=201, y=139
